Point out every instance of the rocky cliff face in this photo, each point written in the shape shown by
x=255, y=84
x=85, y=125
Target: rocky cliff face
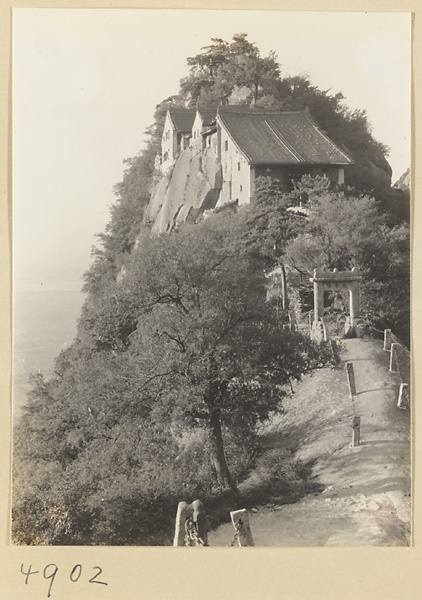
x=192, y=187
x=404, y=182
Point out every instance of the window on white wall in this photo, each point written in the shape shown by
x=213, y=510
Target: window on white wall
x=226, y=145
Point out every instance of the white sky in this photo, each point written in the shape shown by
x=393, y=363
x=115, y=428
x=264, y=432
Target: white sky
x=86, y=82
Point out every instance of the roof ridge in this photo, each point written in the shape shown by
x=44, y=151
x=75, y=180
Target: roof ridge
x=260, y=111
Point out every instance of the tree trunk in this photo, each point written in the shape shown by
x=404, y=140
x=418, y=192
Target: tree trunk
x=256, y=93
x=284, y=296
x=217, y=454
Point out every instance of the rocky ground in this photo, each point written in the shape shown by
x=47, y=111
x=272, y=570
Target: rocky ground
x=365, y=492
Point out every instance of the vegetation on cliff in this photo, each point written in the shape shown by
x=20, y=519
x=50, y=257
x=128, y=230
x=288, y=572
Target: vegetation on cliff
x=223, y=69
x=236, y=73
x=160, y=397
x=179, y=357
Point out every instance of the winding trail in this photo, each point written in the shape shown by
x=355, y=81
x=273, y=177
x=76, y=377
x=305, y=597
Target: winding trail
x=366, y=490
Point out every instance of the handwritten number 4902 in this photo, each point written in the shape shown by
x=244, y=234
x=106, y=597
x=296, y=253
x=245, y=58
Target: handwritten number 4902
x=50, y=571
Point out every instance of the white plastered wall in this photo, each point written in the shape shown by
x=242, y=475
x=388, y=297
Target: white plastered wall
x=236, y=172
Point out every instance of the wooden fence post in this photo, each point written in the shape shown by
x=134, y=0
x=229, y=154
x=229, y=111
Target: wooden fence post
x=403, y=401
x=242, y=528
x=351, y=379
x=393, y=358
x=387, y=339
x=355, y=432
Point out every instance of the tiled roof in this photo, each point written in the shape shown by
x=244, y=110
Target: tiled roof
x=208, y=115
x=274, y=137
x=182, y=118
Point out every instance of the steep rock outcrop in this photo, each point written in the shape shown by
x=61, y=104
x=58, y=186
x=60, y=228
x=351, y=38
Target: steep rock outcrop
x=403, y=183
x=187, y=191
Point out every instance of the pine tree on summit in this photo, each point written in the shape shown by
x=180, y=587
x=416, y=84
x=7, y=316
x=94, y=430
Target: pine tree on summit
x=223, y=67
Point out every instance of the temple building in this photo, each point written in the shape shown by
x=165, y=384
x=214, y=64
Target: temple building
x=251, y=142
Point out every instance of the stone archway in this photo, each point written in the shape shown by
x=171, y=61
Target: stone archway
x=336, y=281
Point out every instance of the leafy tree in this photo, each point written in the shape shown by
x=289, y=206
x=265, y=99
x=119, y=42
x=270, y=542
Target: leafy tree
x=91, y=463
x=212, y=59
x=205, y=359
x=267, y=225
x=344, y=231
x=386, y=289
x=350, y=130
x=208, y=344
x=248, y=69
x=207, y=82
x=338, y=234
x=223, y=67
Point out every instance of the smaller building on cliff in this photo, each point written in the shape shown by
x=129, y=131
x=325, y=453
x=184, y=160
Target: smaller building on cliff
x=203, y=126
x=177, y=134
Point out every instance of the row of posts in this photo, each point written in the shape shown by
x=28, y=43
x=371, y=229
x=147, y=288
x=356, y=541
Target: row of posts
x=352, y=393
x=393, y=348
x=192, y=526
x=403, y=399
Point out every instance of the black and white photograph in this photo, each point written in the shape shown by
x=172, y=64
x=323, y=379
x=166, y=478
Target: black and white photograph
x=211, y=279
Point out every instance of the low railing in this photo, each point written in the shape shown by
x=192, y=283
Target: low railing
x=400, y=363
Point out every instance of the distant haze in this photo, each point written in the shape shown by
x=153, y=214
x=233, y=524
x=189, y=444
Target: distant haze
x=86, y=82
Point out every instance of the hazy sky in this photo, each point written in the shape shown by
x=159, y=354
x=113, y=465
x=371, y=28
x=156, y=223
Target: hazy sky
x=86, y=82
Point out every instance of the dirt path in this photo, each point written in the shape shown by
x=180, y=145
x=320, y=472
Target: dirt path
x=366, y=495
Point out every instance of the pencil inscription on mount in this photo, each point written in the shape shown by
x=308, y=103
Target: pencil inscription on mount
x=212, y=158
